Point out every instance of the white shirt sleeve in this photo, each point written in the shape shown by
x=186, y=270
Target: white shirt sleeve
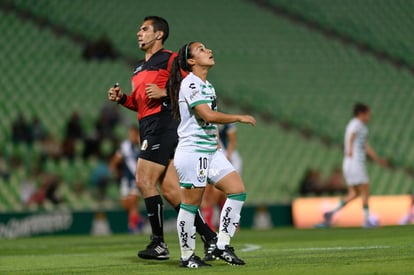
x=192, y=94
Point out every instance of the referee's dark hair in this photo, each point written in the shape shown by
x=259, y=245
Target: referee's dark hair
x=360, y=108
x=159, y=24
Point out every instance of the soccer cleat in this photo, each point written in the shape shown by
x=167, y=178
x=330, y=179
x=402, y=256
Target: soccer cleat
x=369, y=224
x=227, y=254
x=193, y=262
x=208, y=250
x=328, y=218
x=156, y=250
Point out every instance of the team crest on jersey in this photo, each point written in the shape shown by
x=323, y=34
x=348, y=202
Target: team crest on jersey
x=202, y=175
x=144, y=145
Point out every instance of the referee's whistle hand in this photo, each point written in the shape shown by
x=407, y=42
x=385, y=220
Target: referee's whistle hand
x=115, y=94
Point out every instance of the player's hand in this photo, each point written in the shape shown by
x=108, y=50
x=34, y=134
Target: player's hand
x=155, y=92
x=349, y=154
x=248, y=120
x=115, y=94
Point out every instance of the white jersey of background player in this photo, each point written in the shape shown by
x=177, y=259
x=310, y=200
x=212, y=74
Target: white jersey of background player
x=356, y=135
x=356, y=148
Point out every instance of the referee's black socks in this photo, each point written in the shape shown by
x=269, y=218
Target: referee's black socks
x=155, y=210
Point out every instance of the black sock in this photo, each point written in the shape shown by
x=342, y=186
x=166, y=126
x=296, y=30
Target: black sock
x=155, y=210
x=202, y=227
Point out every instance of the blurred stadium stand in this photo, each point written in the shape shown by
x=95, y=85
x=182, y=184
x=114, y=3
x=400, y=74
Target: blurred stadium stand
x=278, y=68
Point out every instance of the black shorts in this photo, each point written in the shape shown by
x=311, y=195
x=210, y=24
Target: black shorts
x=158, y=138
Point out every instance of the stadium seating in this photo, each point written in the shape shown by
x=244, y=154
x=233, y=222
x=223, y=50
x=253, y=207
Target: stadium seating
x=384, y=25
x=264, y=62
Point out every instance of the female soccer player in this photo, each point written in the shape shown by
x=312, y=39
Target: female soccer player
x=198, y=159
x=356, y=149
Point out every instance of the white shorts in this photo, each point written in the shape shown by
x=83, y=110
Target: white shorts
x=196, y=169
x=128, y=187
x=236, y=161
x=354, y=172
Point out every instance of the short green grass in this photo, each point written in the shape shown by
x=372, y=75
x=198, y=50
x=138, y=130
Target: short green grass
x=387, y=250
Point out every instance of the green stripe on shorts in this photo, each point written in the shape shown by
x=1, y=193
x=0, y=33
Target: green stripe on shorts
x=187, y=185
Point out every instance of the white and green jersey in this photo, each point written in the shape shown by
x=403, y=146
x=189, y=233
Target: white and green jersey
x=357, y=127
x=195, y=135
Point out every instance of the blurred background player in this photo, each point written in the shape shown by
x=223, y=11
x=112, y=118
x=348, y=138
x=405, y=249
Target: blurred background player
x=213, y=199
x=354, y=170
x=125, y=161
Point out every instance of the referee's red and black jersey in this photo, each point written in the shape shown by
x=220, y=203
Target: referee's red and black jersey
x=154, y=71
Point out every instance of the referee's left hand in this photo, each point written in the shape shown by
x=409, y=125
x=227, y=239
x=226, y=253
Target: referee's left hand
x=155, y=92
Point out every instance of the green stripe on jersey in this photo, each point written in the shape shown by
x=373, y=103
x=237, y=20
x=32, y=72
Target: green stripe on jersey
x=206, y=142
x=206, y=150
x=208, y=127
x=192, y=105
x=207, y=136
x=206, y=93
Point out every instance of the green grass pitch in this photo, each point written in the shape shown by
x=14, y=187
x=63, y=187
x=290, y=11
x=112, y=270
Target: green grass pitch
x=387, y=250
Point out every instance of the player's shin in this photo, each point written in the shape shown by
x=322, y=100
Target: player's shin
x=229, y=218
x=186, y=230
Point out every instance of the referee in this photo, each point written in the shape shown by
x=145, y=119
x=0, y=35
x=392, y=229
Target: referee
x=158, y=133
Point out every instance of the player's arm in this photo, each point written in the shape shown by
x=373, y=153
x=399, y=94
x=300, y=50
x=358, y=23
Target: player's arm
x=374, y=156
x=210, y=116
x=350, y=145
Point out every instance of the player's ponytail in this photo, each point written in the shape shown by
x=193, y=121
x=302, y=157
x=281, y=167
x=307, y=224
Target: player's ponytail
x=179, y=69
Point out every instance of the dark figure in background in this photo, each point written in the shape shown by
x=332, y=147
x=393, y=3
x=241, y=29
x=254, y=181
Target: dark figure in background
x=74, y=132
x=20, y=130
x=100, y=49
x=105, y=124
x=335, y=183
x=37, y=130
x=311, y=183
x=4, y=168
x=46, y=191
x=74, y=127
